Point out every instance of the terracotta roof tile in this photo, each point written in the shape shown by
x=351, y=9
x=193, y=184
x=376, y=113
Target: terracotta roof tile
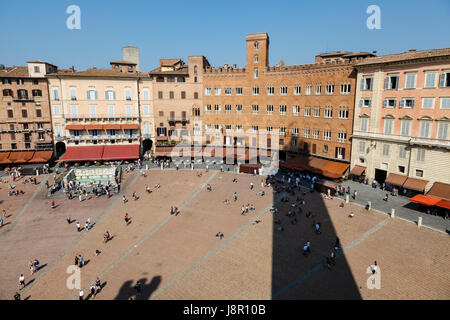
x=15, y=71
x=411, y=55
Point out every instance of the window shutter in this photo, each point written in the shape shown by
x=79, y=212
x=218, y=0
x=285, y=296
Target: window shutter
x=413, y=102
x=442, y=80
x=397, y=81
x=360, y=103
x=106, y=95
x=370, y=103
x=362, y=84
x=95, y=95
x=395, y=103
x=402, y=103
x=386, y=83
x=385, y=102
x=87, y=95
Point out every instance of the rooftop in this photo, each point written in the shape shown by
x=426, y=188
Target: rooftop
x=405, y=56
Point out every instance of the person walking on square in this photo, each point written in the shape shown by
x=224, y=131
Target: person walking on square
x=235, y=196
x=78, y=226
x=21, y=282
x=127, y=219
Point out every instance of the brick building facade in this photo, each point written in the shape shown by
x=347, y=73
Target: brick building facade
x=25, y=119
x=300, y=109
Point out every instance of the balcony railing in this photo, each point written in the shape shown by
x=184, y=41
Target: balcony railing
x=178, y=119
x=97, y=117
x=97, y=138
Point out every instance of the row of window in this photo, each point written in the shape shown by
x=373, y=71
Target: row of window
x=387, y=150
x=328, y=111
x=10, y=113
x=26, y=136
x=425, y=128
x=93, y=111
x=392, y=81
x=297, y=90
x=170, y=79
x=18, y=81
x=92, y=94
x=172, y=95
x=315, y=133
x=22, y=93
x=409, y=103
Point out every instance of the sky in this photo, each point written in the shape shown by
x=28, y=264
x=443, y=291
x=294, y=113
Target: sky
x=298, y=29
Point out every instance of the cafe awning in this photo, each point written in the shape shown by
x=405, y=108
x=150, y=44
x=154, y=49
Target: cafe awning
x=334, y=169
x=41, y=156
x=85, y=153
x=120, y=152
x=440, y=190
x=74, y=127
x=129, y=126
x=425, y=200
x=20, y=156
x=4, y=157
x=415, y=184
x=93, y=127
x=358, y=170
x=396, y=179
x=443, y=204
x=111, y=126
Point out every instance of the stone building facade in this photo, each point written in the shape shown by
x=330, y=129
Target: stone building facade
x=402, y=114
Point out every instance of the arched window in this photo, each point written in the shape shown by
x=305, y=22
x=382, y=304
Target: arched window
x=195, y=69
x=255, y=59
x=256, y=45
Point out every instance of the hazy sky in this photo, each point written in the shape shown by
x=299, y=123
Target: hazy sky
x=298, y=29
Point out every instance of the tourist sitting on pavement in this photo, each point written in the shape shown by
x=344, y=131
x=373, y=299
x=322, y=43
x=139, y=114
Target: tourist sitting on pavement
x=351, y=215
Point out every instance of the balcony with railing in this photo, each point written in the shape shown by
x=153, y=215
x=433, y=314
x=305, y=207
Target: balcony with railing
x=182, y=120
x=117, y=137
x=88, y=117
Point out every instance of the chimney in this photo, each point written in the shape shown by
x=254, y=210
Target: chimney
x=374, y=52
x=234, y=66
x=131, y=54
x=412, y=50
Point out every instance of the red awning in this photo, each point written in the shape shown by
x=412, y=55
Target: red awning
x=41, y=156
x=111, y=126
x=4, y=157
x=443, y=204
x=87, y=153
x=121, y=152
x=93, y=127
x=425, y=200
x=129, y=126
x=75, y=127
